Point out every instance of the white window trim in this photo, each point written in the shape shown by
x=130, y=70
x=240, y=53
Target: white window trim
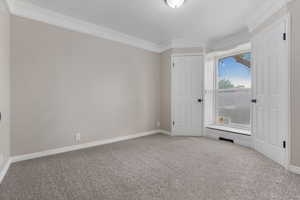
x=235, y=128
x=230, y=129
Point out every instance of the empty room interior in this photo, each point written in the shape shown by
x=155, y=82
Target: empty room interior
x=150, y=100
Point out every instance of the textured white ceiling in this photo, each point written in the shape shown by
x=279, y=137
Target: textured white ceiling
x=196, y=23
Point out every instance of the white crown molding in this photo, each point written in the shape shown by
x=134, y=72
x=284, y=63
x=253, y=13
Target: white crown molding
x=230, y=41
x=166, y=47
x=223, y=53
x=31, y=11
x=184, y=43
x=265, y=11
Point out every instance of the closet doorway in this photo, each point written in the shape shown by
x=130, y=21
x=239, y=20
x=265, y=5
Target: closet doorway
x=187, y=95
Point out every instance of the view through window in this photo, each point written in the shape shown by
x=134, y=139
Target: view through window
x=233, y=94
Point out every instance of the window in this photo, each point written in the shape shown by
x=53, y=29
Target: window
x=233, y=91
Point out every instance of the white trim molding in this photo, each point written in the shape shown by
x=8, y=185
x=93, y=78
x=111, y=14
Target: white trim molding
x=41, y=154
x=4, y=171
x=80, y=146
x=229, y=52
x=229, y=129
x=294, y=169
x=230, y=41
x=28, y=10
x=242, y=140
x=165, y=132
x=265, y=11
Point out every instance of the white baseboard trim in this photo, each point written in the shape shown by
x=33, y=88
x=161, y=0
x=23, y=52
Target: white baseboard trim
x=4, y=171
x=80, y=146
x=165, y=132
x=294, y=169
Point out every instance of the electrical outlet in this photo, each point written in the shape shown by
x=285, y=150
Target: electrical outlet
x=77, y=137
x=157, y=124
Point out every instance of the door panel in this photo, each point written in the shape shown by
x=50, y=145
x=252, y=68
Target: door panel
x=187, y=90
x=270, y=88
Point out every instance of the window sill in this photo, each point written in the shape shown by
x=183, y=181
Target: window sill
x=230, y=129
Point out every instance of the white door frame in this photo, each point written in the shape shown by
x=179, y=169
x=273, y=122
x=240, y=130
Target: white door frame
x=288, y=40
x=172, y=89
x=286, y=18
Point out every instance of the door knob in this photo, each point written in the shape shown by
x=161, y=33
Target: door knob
x=254, y=101
x=200, y=100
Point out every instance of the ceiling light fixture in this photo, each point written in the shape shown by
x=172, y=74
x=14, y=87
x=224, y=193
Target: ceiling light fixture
x=175, y=3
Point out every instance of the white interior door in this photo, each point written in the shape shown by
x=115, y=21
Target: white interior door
x=271, y=91
x=187, y=95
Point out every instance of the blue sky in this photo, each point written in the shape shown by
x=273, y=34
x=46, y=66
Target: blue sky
x=237, y=73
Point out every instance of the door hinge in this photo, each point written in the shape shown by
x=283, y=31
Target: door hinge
x=173, y=123
x=284, y=36
x=173, y=64
x=284, y=144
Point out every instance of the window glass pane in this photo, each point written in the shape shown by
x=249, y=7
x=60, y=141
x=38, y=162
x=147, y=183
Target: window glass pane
x=233, y=106
x=235, y=71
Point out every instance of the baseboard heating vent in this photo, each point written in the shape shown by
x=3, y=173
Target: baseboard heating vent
x=226, y=140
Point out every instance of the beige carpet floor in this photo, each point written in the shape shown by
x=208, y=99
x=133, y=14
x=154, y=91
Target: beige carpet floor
x=152, y=168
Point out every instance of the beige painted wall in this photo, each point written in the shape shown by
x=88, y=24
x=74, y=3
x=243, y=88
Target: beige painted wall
x=165, y=90
x=295, y=83
x=70, y=91
x=65, y=82
x=4, y=85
